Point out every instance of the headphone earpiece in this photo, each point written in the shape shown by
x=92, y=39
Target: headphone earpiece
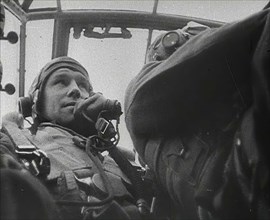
x=25, y=106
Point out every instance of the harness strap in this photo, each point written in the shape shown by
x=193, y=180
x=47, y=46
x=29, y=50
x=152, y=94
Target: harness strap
x=17, y=135
x=34, y=159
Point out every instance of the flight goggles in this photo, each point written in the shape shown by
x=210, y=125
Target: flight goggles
x=166, y=44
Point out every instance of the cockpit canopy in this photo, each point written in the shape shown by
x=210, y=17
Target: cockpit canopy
x=110, y=38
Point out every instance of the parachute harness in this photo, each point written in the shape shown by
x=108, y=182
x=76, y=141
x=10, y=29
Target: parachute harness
x=107, y=139
x=94, y=144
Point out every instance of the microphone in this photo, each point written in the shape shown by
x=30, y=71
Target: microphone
x=9, y=88
x=12, y=37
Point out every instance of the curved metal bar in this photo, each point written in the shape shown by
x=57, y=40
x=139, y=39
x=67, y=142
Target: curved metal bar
x=122, y=18
x=65, y=20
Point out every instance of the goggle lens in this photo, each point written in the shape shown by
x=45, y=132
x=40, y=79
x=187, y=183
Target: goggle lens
x=170, y=39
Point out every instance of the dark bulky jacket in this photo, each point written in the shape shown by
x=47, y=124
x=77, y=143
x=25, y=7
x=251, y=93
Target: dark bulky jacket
x=200, y=120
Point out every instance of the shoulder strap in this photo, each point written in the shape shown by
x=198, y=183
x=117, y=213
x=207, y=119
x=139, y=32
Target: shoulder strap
x=34, y=159
x=17, y=134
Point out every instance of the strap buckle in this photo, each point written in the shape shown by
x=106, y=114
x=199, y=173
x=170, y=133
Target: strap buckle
x=34, y=160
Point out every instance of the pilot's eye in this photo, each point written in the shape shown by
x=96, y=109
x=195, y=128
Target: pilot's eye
x=60, y=81
x=158, y=58
x=83, y=85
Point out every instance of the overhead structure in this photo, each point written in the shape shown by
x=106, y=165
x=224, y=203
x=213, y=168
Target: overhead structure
x=84, y=21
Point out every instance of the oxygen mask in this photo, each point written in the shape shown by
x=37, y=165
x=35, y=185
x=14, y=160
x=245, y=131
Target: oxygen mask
x=97, y=105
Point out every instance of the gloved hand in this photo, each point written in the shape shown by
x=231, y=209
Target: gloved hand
x=90, y=107
x=96, y=103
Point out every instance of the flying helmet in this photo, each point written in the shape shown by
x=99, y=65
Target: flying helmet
x=31, y=105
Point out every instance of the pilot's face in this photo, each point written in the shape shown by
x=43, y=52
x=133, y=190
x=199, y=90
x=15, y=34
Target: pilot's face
x=63, y=90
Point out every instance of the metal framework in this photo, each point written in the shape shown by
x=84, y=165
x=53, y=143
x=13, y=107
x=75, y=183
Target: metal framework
x=64, y=20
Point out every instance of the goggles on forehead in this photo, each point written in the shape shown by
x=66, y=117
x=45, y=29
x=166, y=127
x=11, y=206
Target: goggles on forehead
x=166, y=44
x=174, y=39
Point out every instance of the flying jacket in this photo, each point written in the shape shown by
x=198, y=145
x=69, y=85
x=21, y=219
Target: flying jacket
x=183, y=113
x=71, y=167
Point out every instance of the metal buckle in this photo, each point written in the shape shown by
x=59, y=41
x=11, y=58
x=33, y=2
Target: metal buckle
x=25, y=149
x=103, y=125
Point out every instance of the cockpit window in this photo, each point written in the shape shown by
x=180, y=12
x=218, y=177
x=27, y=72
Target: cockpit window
x=117, y=5
x=38, y=48
x=111, y=62
x=9, y=56
x=226, y=11
x=43, y=4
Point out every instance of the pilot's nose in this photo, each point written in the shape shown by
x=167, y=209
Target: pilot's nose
x=74, y=90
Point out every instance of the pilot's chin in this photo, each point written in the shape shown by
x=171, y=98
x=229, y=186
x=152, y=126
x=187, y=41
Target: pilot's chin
x=66, y=120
